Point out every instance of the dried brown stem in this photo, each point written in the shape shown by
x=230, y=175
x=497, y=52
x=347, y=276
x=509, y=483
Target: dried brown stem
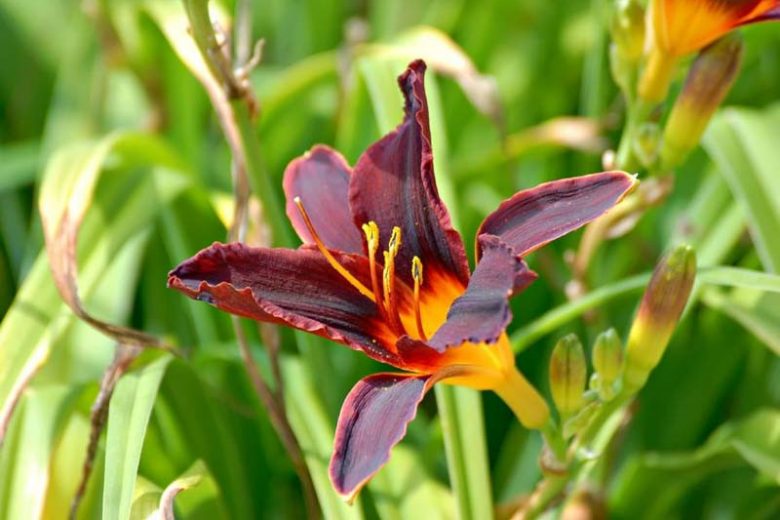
x=125, y=354
x=279, y=420
x=226, y=86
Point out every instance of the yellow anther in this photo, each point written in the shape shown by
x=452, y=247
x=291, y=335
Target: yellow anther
x=371, y=230
x=417, y=270
x=395, y=241
x=417, y=276
x=388, y=279
x=329, y=257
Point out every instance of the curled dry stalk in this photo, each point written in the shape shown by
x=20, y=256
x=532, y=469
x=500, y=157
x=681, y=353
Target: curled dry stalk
x=123, y=357
x=236, y=107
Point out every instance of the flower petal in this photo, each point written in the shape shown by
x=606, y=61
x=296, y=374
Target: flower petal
x=393, y=185
x=373, y=419
x=767, y=10
x=293, y=287
x=534, y=217
x=482, y=313
x=321, y=179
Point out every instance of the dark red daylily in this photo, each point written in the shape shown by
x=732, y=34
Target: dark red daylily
x=413, y=304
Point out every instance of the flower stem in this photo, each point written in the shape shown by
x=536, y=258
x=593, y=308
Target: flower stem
x=466, y=450
x=236, y=107
x=658, y=74
x=525, y=401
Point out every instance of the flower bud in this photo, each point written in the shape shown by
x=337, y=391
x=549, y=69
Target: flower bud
x=607, y=362
x=709, y=80
x=568, y=374
x=628, y=29
x=647, y=143
x=661, y=307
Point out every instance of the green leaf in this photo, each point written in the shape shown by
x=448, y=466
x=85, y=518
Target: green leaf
x=757, y=440
x=38, y=318
x=128, y=416
x=19, y=166
x=738, y=277
x=202, y=493
x=558, y=316
x=315, y=434
x=743, y=143
x=405, y=490
x=754, y=440
x=25, y=458
x=756, y=310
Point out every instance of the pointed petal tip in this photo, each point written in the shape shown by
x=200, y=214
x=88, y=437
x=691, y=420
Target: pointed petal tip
x=534, y=217
x=417, y=66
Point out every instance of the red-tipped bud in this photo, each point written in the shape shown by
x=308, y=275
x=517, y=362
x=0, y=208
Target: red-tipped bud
x=660, y=310
x=568, y=375
x=709, y=80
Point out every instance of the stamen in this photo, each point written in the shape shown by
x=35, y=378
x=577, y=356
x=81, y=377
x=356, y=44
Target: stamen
x=417, y=275
x=388, y=279
x=371, y=230
x=329, y=257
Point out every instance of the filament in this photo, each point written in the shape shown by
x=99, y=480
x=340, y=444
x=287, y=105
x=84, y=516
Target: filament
x=329, y=257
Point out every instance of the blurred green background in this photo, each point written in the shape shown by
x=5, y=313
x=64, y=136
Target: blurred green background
x=78, y=77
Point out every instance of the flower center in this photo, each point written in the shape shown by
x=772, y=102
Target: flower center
x=385, y=293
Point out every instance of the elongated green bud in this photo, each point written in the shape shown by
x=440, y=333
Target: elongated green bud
x=627, y=26
x=568, y=374
x=709, y=80
x=607, y=362
x=659, y=312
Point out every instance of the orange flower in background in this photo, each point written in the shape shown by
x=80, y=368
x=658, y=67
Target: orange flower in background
x=680, y=27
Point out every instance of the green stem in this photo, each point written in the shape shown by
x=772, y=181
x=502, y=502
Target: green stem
x=262, y=183
x=464, y=442
x=557, y=317
x=554, y=439
x=638, y=113
x=601, y=428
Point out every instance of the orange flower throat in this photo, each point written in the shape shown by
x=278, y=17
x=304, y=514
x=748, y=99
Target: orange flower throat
x=385, y=293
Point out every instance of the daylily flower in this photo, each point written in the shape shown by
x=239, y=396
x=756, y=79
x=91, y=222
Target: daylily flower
x=383, y=271
x=680, y=27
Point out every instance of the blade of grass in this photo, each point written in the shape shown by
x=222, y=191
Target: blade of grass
x=128, y=417
x=25, y=464
x=38, y=317
x=743, y=145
